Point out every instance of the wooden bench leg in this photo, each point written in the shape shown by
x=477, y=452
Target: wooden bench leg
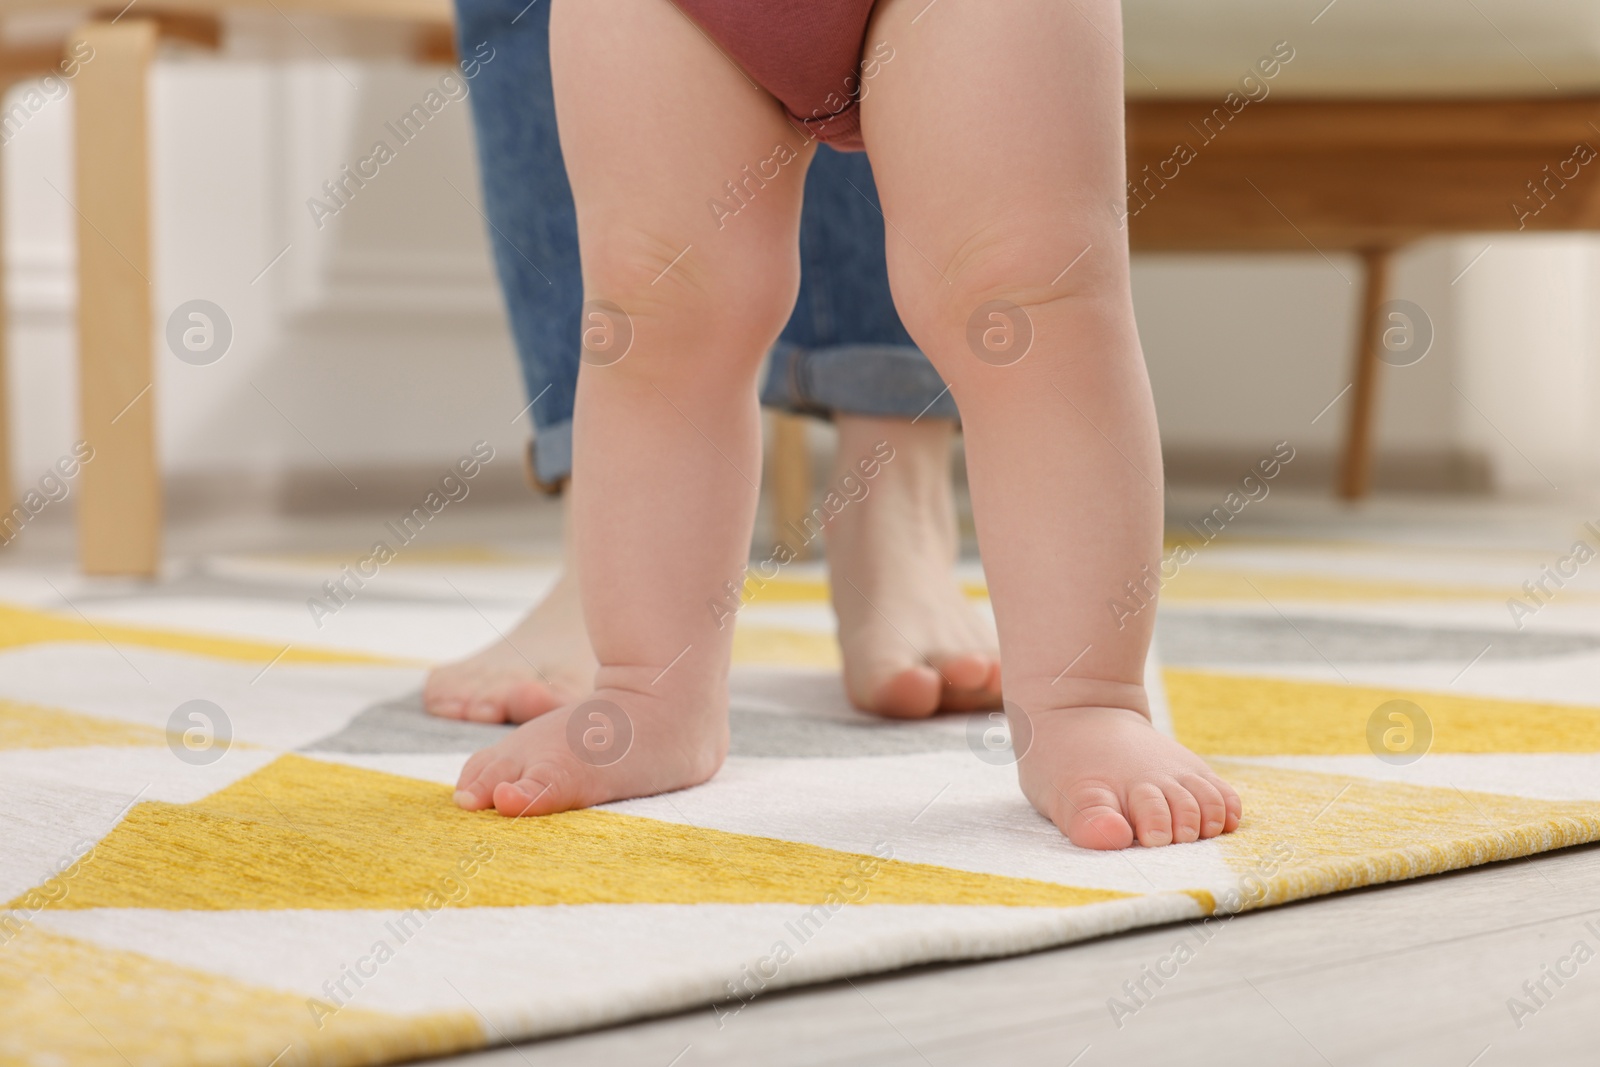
x=119, y=507
x=1355, y=469
x=791, y=479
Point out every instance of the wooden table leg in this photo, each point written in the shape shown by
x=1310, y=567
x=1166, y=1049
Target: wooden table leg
x=119, y=509
x=7, y=499
x=791, y=479
x=1355, y=470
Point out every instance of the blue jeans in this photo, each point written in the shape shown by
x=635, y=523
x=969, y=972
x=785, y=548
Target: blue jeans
x=844, y=349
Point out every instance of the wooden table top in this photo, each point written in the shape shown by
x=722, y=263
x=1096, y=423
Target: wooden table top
x=425, y=11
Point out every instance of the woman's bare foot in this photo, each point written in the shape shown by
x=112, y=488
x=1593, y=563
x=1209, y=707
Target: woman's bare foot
x=911, y=643
x=541, y=664
x=1106, y=777
x=629, y=739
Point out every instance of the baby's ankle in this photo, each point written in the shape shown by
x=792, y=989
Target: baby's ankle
x=1035, y=697
x=685, y=685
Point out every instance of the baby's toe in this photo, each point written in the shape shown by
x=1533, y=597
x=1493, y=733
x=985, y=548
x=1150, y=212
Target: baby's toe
x=538, y=792
x=484, y=771
x=1232, y=805
x=1093, y=818
x=1213, y=811
x=1187, y=815
x=471, y=769
x=1150, y=814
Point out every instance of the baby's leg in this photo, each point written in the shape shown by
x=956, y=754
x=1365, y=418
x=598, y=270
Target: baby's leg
x=996, y=135
x=655, y=123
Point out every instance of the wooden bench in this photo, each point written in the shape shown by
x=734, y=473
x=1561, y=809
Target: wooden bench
x=1364, y=176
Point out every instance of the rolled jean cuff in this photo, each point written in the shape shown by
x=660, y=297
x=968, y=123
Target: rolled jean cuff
x=886, y=381
x=551, y=456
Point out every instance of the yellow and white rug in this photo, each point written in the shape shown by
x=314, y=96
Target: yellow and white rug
x=226, y=835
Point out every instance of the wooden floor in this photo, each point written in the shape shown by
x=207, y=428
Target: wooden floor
x=1417, y=973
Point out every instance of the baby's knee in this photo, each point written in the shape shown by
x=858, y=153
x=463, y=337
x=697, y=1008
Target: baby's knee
x=988, y=303
x=732, y=299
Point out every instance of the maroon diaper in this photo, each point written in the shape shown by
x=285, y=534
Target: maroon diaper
x=807, y=53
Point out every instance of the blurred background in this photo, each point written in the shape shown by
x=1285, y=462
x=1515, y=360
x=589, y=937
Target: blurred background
x=370, y=348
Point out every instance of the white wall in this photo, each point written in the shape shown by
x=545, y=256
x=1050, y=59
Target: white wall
x=1529, y=346
x=381, y=340
x=379, y=337
x=1248, y=350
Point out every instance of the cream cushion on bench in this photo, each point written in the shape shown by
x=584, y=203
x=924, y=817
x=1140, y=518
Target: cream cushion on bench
x=1381, y=48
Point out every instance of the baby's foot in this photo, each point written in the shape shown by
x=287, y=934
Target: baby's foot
x=617, y=744
x=541, y=664
x=911, y=642
x=1106, y=777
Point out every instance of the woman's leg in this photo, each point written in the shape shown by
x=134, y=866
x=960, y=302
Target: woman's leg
x=997, y=137
x=545, y=660
x=667, y=448
x=911, y=643
x=533, y=230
